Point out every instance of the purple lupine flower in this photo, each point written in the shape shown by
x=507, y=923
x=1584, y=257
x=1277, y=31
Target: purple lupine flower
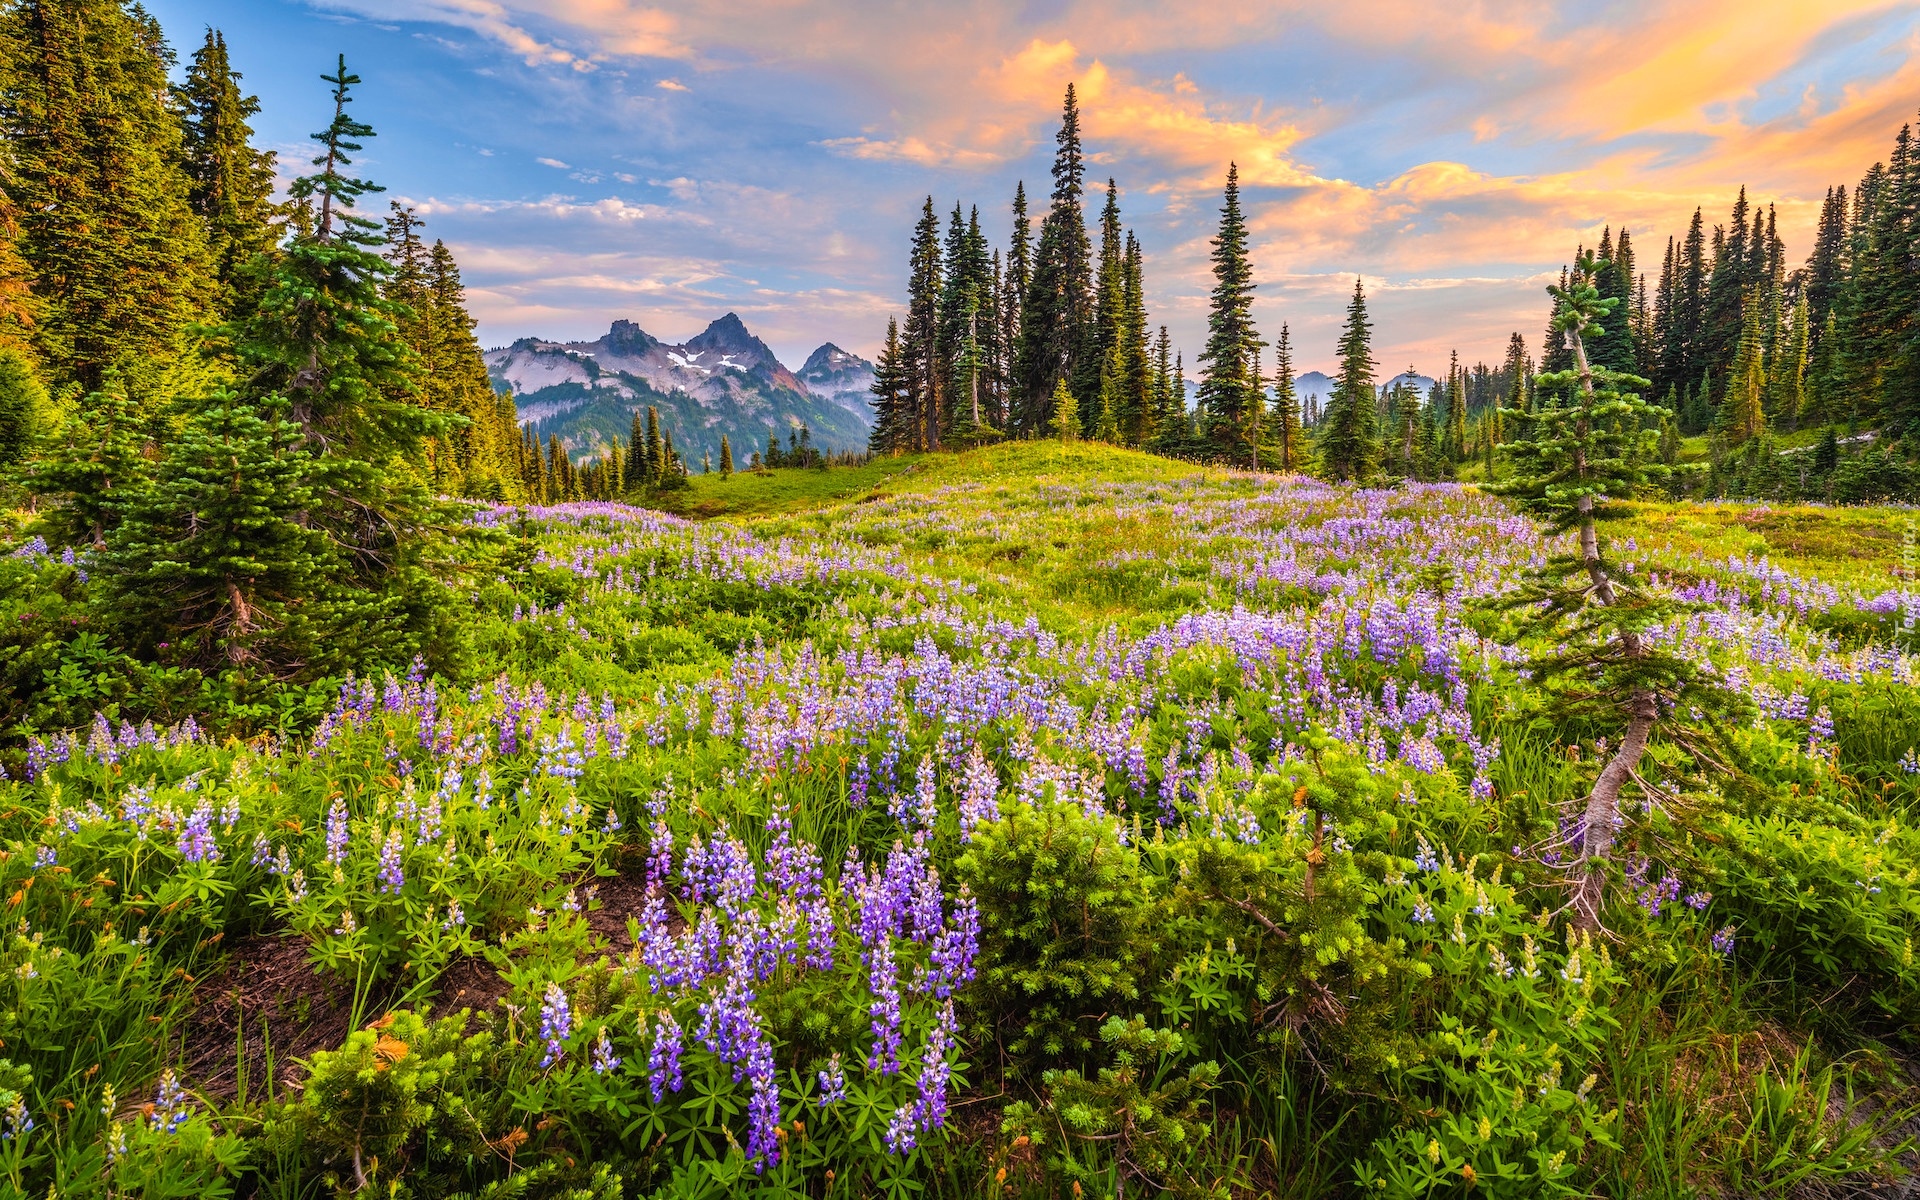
x=337, y=832
x=884, y=1011
x=604, y=1061
x=1723, y=940
x=978, y=787
x=17, y=1122
x=930, y=1090
x=659, y=857
x=171, y=1106
x=45, y=856
x=556, y=1024
x=1698, y=901
x=663, y=1060
x=951, y=959
x=1422, y=912
x=833, y=1083
x=196, y=843
x=1426, y=860
x=899, y=1135
x=391, y=878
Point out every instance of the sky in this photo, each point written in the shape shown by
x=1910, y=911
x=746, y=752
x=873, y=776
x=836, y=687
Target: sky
x=668, y=163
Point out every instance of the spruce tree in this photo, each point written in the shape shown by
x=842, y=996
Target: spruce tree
x=1349, y=438
x=118, y=259
x=653, y=458
x=230, y=183
x=726, y=457
x=1787, y=372
x=1137, y=412
x=1227, y=395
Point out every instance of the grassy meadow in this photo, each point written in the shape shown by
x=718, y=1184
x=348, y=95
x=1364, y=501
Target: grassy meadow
x=1048, y=820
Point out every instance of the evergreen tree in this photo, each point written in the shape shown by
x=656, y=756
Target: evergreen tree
x=726, y=457
x=892, y=431
x=118, y=261
x=1138, y=412
x=1109, y=309
x=653, y=460
x=1289, y=437
x=458, y=384
x=921, y=344
x=26, y=412
x=1227, y=396
x=1349, y=438
x=1603, y=664
x=1456, y=411
x=1066, y=411
x=1161, y=413
x=636, y=465
x=230, y=183
x=100, y=457
x=216, y=557
x=1743, y=414
x=1056, y=314
x=1826, y=266
x=1787, y=372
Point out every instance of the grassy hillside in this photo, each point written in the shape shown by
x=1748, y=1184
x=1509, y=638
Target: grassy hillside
x=1041, y=821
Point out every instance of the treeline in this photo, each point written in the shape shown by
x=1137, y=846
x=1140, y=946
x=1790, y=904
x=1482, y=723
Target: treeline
x=240, y=414
x=1051, y=339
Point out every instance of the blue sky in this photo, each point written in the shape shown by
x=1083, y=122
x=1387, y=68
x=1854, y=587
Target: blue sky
x=593, y=159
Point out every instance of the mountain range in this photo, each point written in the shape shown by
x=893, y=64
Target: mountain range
x=1319, y=385
x=724, y=381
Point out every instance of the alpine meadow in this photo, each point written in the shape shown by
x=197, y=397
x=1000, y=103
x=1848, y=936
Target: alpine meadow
x=1075, y=751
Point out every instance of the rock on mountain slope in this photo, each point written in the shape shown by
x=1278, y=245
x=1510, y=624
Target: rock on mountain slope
x=842, y=376
x=724, y=381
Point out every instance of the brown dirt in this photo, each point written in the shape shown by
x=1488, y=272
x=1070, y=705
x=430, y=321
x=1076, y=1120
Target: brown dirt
x=287, y=1006
x=620, y=896
x=470, y=982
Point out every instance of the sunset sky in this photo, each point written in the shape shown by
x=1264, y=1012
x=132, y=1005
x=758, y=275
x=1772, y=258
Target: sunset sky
x=592, y=159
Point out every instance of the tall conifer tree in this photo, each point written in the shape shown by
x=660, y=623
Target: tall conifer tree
x=230, y=183
x=1349, y=438
x=1227, y=394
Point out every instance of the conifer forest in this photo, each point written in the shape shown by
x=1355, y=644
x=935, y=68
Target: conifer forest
x=1128, y=774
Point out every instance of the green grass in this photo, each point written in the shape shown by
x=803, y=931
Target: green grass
x=1858, y=546
x=752, y=494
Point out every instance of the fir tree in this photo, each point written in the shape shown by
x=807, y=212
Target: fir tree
x=1349, y=440
x=1056, y=314
x=230, y=183
x=1604, y=664
x=1138, y=412
x=921, y=344
x=1787, y=372
x=1743, y=415
x=892, y=431
x=1066, y=411
x=99, y=458
x=653, y=459
x=726, y=457
x=1227, y=396
x=217, y=558
x=26, y=412
x=118, y=260
x=1288, y=436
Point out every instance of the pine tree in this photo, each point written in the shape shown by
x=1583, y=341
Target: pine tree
x=1456, y=411
x=1227, y=396
x=1787, y=372
x=1288, y=437
x=118, y=260
x=1349, y=438
x=635, y=471
x=726, y=457
x=1160, y=414
x=1826, y=266
x=458, y=383
x=1603, y=664
x=230, y=183
x=1056, y=314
